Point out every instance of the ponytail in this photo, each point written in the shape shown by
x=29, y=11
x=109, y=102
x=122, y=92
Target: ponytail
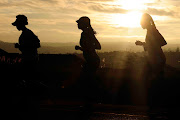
x=91, y=29
x=97, y=45
x=152, y=21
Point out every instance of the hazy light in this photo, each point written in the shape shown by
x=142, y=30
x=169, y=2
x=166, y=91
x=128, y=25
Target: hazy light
x=131, y=19
x=160, y=18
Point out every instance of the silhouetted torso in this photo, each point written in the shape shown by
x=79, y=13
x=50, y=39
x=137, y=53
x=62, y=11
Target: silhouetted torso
x=29, y=43
x=87, y=41
x=155, y=53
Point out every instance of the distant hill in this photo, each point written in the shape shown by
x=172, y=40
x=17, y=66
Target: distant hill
x=62, y=48
x=8, y=47
x=2, y=52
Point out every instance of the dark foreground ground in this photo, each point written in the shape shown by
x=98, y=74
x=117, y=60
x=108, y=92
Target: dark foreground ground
x=53, y=92
x=73, y=110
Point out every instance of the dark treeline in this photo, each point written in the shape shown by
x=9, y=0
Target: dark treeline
x=115, y=59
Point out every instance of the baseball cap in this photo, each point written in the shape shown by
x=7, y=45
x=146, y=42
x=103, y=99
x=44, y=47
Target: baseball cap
x=83, y=19
x=20, y=20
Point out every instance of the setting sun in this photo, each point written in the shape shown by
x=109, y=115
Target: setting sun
x=131, y=19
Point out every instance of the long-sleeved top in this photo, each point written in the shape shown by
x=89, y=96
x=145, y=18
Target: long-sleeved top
x=153, y=42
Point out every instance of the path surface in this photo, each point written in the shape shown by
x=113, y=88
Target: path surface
x=74, y=110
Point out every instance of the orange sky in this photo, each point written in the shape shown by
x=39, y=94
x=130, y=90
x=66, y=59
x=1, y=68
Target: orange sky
x=114, y=20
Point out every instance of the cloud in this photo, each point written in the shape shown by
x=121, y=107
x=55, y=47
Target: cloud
x=49, y=1
x=107, y=9
x=160, y=12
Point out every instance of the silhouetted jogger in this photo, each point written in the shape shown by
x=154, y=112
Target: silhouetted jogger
x=156, y=58
x=88, y=45
x=28, y=44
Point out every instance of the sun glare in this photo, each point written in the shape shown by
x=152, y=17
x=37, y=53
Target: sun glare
x=131, y=19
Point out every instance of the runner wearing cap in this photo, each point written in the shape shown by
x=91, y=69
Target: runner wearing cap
x=28, y=43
